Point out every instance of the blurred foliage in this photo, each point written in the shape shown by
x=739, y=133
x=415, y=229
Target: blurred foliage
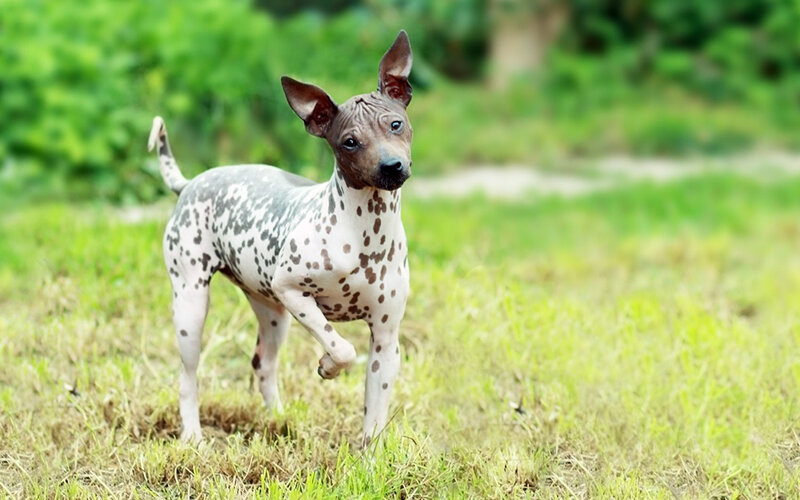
x=721, y=49
x=81, y=81
x=452, y=35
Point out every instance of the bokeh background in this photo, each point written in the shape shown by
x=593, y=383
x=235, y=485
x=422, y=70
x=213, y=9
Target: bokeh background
x=496, y=82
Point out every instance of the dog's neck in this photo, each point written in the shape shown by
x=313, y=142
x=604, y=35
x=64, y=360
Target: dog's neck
x=367, y=203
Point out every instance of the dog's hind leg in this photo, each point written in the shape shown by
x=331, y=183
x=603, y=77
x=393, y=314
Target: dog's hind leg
x=189, y=308
x=273, y=326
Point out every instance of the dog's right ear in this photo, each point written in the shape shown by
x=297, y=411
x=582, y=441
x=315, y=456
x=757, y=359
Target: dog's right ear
x=312, y=105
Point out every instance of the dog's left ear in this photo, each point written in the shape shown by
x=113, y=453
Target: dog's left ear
x=394, y=70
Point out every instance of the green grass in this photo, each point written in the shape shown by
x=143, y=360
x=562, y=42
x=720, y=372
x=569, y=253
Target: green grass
x=638, y=343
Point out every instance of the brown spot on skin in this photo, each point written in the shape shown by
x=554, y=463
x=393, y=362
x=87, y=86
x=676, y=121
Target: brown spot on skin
x=333, y=220
x=326, y=261
x=364, y=259
x=384, y=318
x=354, y=299
x=346, y=248
x=315, y=265
x=385, y=385
x=274, y=323
x=328, y=327
x=184, y=333
x=293, y=246
x=262, y=378
x=366, y=241
x=377, y=226
x=256, y=361
x=375, y=365
x=358, y=211
x=306, y=294
x=380, y=299
x=365, y=410
x=307, y=280
x=370, y=275
x=383, y=239
x=328, y=229
x=346, y=287
x=383, y=272
x=378, y=348
x=342, y=280
x=391, y=251
x=394, y=292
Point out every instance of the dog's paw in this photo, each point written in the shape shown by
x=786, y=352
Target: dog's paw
x=192, y=435
x=328, y=368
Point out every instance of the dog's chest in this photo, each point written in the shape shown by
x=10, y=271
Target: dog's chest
x=353, y=262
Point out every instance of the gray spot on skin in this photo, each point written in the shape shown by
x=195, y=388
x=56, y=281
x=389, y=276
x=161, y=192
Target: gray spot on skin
x=184, y=333
x=375, y=365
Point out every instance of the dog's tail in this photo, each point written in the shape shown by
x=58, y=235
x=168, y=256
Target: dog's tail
x=169, y=167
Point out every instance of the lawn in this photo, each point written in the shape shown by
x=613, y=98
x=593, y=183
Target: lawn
x=642, y=342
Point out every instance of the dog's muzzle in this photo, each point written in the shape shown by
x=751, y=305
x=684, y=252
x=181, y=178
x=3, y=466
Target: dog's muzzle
x=392, y=174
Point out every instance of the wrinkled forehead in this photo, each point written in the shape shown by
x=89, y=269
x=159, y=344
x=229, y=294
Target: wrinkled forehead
x=367, y=110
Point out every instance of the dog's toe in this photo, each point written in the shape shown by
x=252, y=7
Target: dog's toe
x=193, y=436
x=328, y=368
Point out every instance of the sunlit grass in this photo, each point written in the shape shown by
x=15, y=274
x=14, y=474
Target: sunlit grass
x=635, y=343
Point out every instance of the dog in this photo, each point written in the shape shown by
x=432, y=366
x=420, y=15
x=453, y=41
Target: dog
x=320, y=253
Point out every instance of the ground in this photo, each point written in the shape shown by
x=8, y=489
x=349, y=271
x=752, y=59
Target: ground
x=640, y=341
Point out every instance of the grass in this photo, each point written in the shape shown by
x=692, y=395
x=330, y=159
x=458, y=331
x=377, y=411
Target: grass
x=637, y=343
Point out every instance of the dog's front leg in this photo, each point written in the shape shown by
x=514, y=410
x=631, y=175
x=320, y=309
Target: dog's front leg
x=382, y=368
x=339, y=353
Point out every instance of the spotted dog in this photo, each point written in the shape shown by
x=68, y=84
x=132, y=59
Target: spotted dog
x=321, y=253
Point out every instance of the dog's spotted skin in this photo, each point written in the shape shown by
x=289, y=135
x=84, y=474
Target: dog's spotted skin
x=326, y=252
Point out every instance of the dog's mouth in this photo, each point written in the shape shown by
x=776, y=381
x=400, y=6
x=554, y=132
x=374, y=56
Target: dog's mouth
x=393, y=181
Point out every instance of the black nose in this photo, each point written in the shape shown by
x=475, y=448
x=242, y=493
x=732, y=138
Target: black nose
x=391, y=167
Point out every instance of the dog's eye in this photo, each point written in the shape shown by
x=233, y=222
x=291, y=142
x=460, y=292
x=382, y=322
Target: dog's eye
x=350, y=143
x=396, y=125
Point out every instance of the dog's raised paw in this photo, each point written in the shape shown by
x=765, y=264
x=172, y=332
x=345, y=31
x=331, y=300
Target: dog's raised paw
x=328, y=368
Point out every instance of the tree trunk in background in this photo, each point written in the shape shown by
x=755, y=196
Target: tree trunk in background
x=521, y=32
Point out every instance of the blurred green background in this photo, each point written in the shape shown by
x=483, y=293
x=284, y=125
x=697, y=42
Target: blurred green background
x=496, y=82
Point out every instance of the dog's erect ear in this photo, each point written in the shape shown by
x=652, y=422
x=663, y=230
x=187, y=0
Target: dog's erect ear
x=394, y=70
x=312, y=105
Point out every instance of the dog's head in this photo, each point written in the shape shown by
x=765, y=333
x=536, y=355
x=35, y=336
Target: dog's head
x=370, y=134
